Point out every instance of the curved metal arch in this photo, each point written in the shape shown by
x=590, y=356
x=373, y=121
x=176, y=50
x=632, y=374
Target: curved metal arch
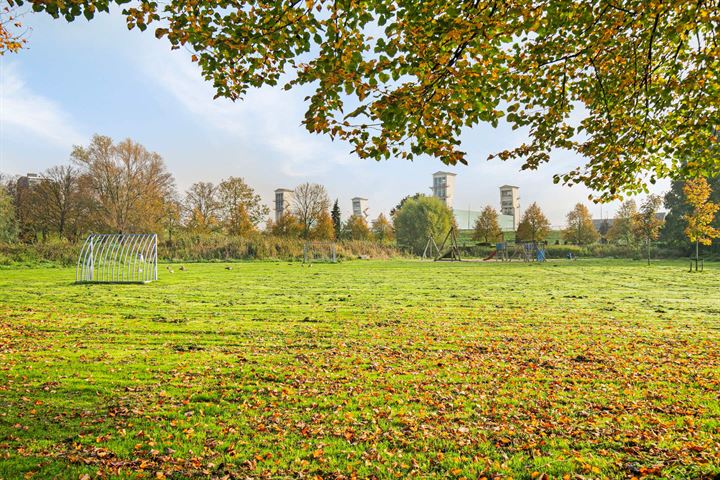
x=151, y=259
x=127, y=259
x=141, y=260
x=114, y=255
x=117, y=258
x=146, y=255
x=134, y=268
x=141, y=256
x=104, y=240
x=125, y=263
x=81, y=258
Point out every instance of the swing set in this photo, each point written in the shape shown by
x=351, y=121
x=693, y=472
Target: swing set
x=451, y=254
x=525, y=251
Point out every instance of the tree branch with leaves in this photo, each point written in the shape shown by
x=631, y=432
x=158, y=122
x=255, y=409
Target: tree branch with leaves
x=631, y=87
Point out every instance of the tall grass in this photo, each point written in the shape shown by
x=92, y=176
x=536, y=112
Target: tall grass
x=189, y=248
x=53, y=251
x=196, y=248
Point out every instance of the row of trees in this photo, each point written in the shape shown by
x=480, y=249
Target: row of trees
x=693, y=207
x=123, y=187
x=310, y=217
x=118, y=187
x=108, y=186
x=629, y=227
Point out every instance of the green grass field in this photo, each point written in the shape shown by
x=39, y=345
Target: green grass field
x=397, y=369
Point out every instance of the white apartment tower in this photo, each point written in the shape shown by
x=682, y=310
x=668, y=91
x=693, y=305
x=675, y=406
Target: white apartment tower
x=283, y=201
x=360, y=207
x=443, y=187
x=510, y=203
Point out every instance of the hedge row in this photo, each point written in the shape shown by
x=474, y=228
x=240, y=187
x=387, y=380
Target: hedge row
x=595, y=251
x=203, y=248
x=198, y=248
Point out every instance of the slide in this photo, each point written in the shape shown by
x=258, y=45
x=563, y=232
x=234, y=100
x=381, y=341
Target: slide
x=490, y=257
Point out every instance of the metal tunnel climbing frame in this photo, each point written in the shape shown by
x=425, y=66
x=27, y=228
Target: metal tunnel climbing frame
x=118, y=258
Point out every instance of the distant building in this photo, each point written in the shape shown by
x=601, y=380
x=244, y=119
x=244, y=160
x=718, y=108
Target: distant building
x=23, y=189
x=510, y=203
x=465, y=220
x=28, y=181
x=360, y=207
x=443, y=187
x=283, y=201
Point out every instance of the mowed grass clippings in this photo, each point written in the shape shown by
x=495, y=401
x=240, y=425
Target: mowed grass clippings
x=395, y=369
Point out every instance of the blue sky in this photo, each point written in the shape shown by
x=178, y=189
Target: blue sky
x=80, y=78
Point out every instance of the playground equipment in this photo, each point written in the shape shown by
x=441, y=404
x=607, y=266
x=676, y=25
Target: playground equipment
x=491, y=256
x=540, y=253
x=453, y=252
x=530, y=251
x=431, y=249
x=118, y=258
x=502, y=251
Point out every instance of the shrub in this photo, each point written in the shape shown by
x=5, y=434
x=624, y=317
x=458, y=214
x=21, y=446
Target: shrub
x=57, y=251
x=595, y=250
x=421, y=218
x=188, y=247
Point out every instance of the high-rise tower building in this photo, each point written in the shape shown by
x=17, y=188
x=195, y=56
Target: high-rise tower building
x=283, y=202
x=360, y=207
x=510, y=203
x=443, y=187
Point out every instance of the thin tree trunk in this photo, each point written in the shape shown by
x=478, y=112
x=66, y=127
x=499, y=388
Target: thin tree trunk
x=697, y=251
x=648, y=245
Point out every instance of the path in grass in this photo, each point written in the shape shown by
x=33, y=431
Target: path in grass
x=387, y=369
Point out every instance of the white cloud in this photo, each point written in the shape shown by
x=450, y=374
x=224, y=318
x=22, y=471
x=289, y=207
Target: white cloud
x=268, y=117
x=23, y=111
x=183, y=81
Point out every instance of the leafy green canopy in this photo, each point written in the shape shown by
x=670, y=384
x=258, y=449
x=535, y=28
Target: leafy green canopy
x=421, y=218
x=631, y=86
x=580, y=229
x=679, y=209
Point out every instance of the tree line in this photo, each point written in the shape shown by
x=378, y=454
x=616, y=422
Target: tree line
x=310, y=217
x=123, y=187
x=692, y=206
